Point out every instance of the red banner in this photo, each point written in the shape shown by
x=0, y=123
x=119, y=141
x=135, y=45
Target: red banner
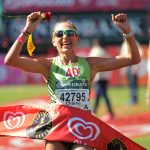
x=20, y=6
x=61, y=123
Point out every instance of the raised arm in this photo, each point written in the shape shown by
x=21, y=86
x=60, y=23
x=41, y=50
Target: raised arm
x=13, y=57
x=133, y=57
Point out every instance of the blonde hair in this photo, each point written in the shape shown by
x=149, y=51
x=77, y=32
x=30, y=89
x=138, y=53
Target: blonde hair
x=64, y=21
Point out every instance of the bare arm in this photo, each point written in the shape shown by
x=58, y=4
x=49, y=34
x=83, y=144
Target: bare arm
x=13, y=57
x=98, y=64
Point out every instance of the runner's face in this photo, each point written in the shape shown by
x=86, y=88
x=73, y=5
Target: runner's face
x=66, y=41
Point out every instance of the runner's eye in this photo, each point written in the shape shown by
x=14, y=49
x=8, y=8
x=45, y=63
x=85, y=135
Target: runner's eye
x=58, y=34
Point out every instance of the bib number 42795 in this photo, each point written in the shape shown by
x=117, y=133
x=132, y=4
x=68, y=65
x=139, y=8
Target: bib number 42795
x=77, y=96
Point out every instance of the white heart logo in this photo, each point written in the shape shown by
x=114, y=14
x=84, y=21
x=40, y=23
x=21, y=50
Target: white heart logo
x=13, y=120
x=89, y=129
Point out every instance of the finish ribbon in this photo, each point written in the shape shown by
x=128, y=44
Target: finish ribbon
x=55, y=122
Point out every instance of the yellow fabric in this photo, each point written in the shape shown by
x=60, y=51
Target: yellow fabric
x=30, y=45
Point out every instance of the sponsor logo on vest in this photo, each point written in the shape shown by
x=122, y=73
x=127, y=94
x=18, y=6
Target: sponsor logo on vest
x=72, y=72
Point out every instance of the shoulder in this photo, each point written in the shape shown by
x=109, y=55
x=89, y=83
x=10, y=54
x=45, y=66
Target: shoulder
x=45, y=62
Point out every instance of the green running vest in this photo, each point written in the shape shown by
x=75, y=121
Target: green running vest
x=70, y=84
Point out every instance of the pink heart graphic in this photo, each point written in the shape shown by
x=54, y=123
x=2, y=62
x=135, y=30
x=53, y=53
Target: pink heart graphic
x=83, y=129
x=13, y=120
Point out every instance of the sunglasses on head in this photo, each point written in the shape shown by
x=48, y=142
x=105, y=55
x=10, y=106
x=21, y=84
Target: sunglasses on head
x=69, y=32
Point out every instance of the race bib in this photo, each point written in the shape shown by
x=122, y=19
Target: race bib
x=73, y=97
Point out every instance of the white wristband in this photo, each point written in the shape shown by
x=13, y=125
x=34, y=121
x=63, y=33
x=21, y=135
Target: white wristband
x=128, y=35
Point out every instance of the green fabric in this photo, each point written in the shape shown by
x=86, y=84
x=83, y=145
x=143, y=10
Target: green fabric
x=61, y=77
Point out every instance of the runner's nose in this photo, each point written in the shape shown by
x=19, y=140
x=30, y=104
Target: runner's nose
x=65, y=35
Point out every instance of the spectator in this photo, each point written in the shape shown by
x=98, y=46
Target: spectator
x=101, y=81
x=131, y=73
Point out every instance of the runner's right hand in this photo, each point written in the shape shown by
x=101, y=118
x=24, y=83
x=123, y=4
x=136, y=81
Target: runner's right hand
x=33, y=20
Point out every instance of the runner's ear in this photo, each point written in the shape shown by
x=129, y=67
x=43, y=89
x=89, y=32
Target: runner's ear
x=53, y=42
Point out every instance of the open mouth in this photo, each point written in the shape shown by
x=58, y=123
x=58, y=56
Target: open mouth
x=66, y=45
